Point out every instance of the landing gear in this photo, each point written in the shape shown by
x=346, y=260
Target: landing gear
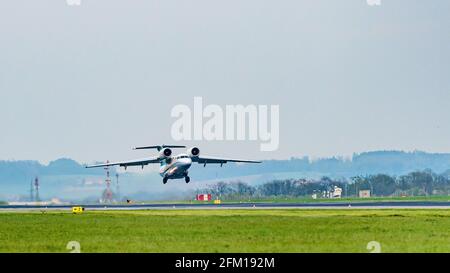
x=187, y=179
x=165, y=179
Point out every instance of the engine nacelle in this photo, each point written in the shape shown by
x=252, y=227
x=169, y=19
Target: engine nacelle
x=165, y=153
x=194, y=152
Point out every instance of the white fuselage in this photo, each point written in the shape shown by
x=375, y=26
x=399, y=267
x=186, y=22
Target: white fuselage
x=175, y=167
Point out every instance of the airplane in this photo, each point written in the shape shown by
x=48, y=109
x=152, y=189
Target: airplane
x=172, y=167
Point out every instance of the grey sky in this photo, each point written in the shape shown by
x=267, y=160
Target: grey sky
x=89, y=82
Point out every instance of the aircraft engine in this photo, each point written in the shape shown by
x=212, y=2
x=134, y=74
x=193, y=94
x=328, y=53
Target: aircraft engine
x=166, y=153
x=194, y=152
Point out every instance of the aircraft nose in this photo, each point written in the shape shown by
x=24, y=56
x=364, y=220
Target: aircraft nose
x=186, y=161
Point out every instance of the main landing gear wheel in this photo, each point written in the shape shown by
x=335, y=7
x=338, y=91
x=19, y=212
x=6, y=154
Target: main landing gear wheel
x=187, y=179
x=165, y=180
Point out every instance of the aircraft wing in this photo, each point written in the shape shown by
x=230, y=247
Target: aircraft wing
x=136, y=162
x=214, y=160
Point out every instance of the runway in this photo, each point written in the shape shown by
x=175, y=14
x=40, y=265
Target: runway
x=186, y=206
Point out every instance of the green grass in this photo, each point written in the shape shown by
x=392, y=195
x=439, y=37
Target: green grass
x=227, y=231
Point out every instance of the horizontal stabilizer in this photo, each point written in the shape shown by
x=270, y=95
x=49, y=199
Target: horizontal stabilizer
x=159, y=147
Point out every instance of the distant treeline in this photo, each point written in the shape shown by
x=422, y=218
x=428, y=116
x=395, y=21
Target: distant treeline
x=368, y=163
x=419, y=183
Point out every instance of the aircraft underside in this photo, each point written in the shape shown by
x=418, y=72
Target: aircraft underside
x=177, y=172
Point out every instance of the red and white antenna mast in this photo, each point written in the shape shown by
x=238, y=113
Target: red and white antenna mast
x=107, y=193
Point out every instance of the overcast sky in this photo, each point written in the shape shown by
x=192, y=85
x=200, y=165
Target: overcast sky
x=90, y=82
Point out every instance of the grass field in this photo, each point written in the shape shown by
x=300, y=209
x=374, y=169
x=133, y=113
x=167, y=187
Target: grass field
x=227, y=231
